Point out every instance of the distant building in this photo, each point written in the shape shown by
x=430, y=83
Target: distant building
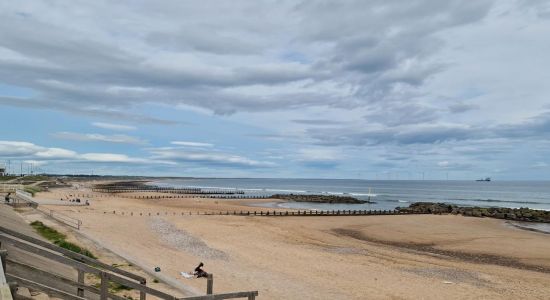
x=2, y=171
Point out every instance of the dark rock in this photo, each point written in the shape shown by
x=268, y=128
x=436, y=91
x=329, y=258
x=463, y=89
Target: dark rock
x=521, y=214
x=320, y=198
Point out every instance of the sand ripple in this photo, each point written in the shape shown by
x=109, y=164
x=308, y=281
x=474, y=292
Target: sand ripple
x=182, y=240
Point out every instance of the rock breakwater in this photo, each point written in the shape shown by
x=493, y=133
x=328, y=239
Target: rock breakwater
x=517, y=214
x=320, y=198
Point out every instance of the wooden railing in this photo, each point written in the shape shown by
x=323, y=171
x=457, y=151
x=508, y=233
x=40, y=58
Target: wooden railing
x=83, y=265
x=23, y=198
x=69, y=221
x=5, y=290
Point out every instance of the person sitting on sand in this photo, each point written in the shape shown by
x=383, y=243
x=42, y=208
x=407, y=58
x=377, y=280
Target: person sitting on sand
x=199, y=272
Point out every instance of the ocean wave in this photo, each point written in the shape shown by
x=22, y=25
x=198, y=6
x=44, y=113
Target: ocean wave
x=499, y=201
x=363, y=194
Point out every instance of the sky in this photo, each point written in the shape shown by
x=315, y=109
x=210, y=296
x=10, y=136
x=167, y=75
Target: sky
x=301, y=89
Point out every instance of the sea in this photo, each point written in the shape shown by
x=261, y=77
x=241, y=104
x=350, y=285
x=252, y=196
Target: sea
x=386, y=194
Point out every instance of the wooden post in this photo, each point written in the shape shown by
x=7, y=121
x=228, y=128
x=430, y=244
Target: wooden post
x=209, y=284
x=3, y=254
x=13, y=287
x=80, y=291
x=142, y=294
x=104, y=290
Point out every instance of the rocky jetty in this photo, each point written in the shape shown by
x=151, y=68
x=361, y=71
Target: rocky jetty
x=320, y=198
x=516, y=214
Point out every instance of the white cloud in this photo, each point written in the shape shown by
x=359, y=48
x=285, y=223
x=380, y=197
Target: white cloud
x=110, y=158
x=36, y=163
x=319, y=154
x=207, y=158
x=191, y=144
x=112, y=126
x=96, y=137
x=56, y=153
x=540, y=165
x=15, y=148
x=39, y=155
x=443, y=164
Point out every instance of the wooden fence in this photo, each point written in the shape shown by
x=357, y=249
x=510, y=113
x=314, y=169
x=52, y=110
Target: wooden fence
x=83, y=265
x=274, y=213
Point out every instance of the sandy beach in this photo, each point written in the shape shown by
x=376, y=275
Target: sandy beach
x=352, y=257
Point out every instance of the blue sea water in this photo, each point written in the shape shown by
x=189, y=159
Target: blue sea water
x=389, y=193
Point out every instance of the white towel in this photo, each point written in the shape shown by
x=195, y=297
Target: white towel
x=187, y=275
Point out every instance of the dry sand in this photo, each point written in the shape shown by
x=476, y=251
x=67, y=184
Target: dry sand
x=360, y=257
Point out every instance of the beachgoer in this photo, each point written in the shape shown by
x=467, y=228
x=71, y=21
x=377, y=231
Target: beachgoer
x=7, y=198
x=199, y=272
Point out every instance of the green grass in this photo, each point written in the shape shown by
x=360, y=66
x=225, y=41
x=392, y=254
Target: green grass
x=48, y=232
x=32, y=189
x=114, y=287
x=6, y=178
x=58, y=238
x=36, y=178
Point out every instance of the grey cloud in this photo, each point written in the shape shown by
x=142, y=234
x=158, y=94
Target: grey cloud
x=369, y=45
x=460, y=107
x=89, y=111
x=193, y=38
x=431, y=133
x=318, y=122
x=401, y=113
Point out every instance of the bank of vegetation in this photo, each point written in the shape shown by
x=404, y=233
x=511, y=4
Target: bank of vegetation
x=59, y=239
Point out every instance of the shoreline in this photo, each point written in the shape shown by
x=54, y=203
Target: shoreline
x=529, y=226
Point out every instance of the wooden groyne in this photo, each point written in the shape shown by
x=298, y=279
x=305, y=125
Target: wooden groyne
x=168, y=190
x=179, y=196
x=274, y=213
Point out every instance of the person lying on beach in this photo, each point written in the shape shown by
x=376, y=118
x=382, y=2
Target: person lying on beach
x=199, y=272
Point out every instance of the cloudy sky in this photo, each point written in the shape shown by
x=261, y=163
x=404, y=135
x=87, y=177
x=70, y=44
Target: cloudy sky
x=331, y=89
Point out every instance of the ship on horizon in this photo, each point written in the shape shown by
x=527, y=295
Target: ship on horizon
x=484, y=179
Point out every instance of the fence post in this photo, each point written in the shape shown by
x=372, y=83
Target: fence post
x=80, y=291
x=142, y=294
x=104, y=291
x=210, y=284
x=3, y=254
x=13, y=287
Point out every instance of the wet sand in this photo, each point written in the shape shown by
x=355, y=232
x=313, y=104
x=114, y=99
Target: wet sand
x=352, y=257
